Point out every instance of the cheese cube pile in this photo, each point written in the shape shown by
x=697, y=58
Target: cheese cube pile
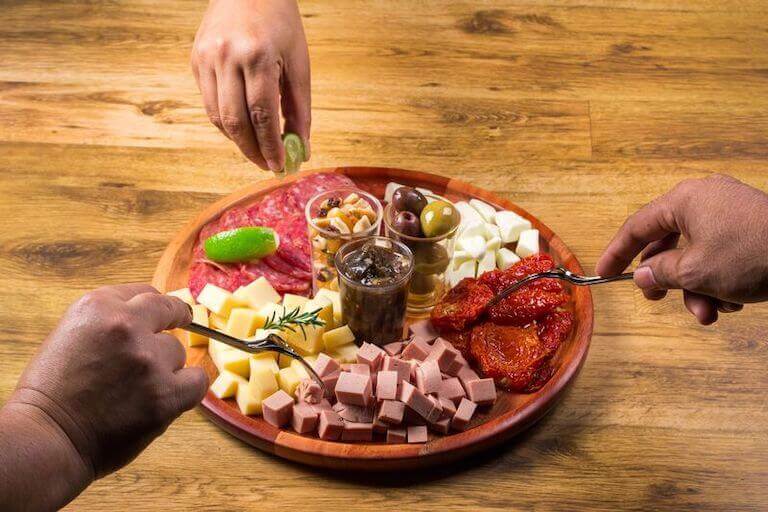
x=250, y=378
x=483, y=238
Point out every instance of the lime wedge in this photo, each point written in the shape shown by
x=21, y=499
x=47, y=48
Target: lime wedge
x=241, y=244
x=294, y=152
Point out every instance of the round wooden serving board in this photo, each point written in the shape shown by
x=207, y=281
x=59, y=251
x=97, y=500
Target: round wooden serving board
x=511, y=414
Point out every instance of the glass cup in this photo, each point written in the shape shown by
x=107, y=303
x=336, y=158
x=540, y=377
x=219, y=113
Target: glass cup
x=374, y=312
x=325, y=240
x=432, y=256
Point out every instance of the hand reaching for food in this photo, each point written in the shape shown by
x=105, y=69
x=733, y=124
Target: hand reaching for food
x=105, y=383
x=247, y=57
x=723, y=263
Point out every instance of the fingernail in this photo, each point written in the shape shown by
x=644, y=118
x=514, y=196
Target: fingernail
x=644, y=278
x=273, y=166
x=730, y=307
x=307, y=151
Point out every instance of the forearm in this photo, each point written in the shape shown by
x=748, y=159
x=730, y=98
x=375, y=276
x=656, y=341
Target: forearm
x=40, y=468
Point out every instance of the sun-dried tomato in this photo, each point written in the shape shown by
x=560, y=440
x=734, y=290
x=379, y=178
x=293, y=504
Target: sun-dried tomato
x=497, y=280
x=554, y=329
x=461, y=306
x=524, y=306
x=513, y=356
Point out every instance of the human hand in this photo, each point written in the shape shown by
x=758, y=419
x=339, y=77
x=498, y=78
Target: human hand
x=723, y=265
x=248, y=55
x=109, y=377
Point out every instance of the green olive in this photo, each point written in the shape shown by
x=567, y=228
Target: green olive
x=438, y=218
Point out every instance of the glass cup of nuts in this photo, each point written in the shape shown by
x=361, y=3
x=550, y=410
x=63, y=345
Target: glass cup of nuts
x=427, y=225
x=335, y=217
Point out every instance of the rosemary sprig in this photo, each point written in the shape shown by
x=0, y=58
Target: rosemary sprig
x=289, y=319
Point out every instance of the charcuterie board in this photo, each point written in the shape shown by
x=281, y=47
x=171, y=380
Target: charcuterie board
x=512, y=412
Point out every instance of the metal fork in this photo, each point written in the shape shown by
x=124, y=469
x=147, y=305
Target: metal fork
x=558, y=273
x=272, y=343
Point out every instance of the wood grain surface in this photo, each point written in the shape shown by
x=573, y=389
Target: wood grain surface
x=580, y=111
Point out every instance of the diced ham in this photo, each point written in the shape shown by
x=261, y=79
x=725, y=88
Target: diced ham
x=386, y=385
x=357, y=431
x=451, y=389
x=418, y=434
x=428, y=377
x=304, y=418
x=482, y=391
x=330, y=426
x=354, y=389
x=371, y=355
x=277, y=409
x=391, y=412
x=464, y=413
x=397, y=435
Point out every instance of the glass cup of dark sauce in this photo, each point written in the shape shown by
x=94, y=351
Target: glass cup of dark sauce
x=374, y=278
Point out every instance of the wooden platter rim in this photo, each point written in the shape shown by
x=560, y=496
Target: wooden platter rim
x=379, y=456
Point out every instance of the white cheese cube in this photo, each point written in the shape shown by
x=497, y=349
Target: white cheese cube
x=466, y=269
x=471, y=228
x=491, y=231
x=199, y=316
x=459, y=258
x=511, y=225
x=487, y=263
x=492, y=245
x=216, y=299
x=528, y=243
x=506, y=258
x=472, y=245
x=337, y=337
x=486, y=211
x=226, y=384
x=468, y=214
x=390, y=190
x=183, y=294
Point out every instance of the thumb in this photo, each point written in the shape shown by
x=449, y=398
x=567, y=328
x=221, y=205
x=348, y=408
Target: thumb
x=660, y=272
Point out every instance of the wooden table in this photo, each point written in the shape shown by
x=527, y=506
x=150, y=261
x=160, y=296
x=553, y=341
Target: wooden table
x=580, y=111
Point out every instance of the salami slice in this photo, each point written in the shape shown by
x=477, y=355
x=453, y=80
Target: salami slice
x=294, y=242
x=282, y=283
x=275, y=206
x=281, y=265
x=203, y=273
x=304, y=189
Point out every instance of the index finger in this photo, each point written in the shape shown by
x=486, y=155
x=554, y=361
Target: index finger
x=127, y=291
x=161, y=312
x=652, y=222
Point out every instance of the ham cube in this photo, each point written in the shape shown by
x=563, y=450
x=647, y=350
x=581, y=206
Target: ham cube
x=386, y=385
x=417, y=434
x=391, y=412
x=442, y=425
x=397, y=435
x=325, y=365
x=324, y=405
x=304, y=418
x=357, y=431
x=411, y=417
x=358, y=368
x=371, y=355
x=449, y=408
x=417, y=349
x=428, y=377
x=451, y=389
x=354, y=389
x=482, y=391
x=277, y=409
x=355, y=413
x=392, y=349
x=464, y=413
x=402, y=368
x=443, y=353
x=330, y=426
x=467, y=375
x=329, y=381
x=309, y=392
x=423, y=329
x=417, y=400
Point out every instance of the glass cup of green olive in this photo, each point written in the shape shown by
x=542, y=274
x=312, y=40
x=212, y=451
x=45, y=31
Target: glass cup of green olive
x=431, y=255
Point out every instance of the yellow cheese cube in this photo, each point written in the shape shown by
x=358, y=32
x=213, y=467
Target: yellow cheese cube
x=226, y=384
x=337, y=337
x=291, y=301
x=325, y=307
x=308, y=340
x=299, y=369
x=215, y=349
x=199, y=316
x=335, y=300
x=263, y=361
x=248, y=403
x=271, y=311
x=218, y=300
x=256, y=294
x=217, y=322
x=284, y=361
x=236, y=361
x=288, y=380
x=344, y=353
x=262, y=382
x=243, y=322
x=183, y=294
